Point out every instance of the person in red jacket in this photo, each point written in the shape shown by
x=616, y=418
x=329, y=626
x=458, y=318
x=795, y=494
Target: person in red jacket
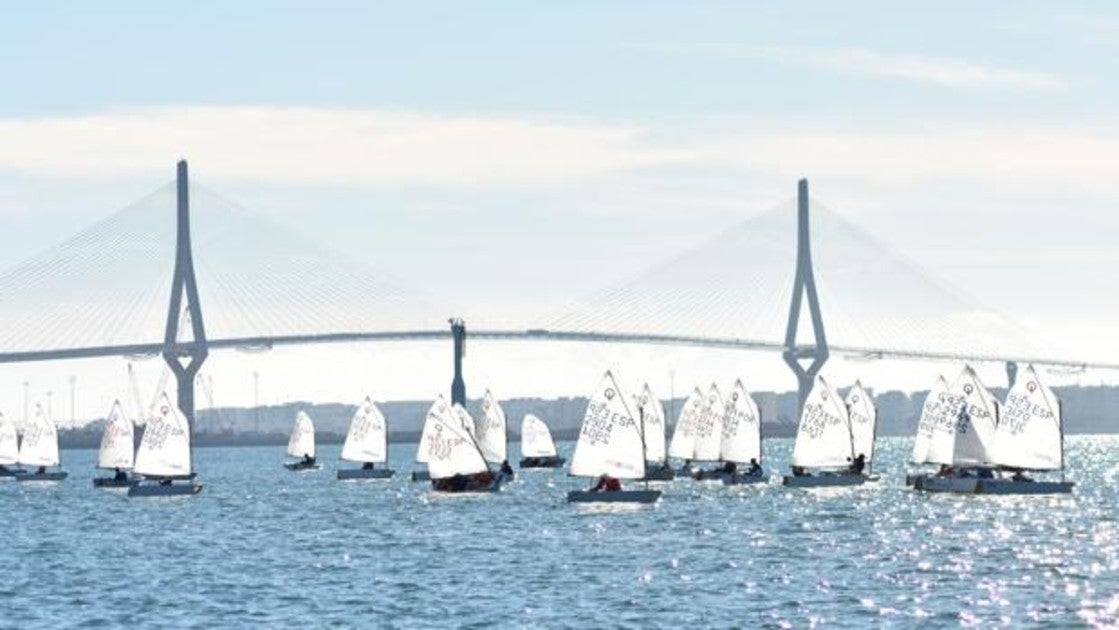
x=607, y=483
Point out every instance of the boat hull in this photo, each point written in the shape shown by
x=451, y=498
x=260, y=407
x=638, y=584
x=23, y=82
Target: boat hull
x=542, y=462
x=11, y=473
x=955, y=485
x=345, y=474
x=300, y=466
x=421, y=475
x=57, y=475
x=744, y=480
x=613, y=496
x=470, y=486
x=139, y=489
x=823, y=481
x=1009, y=486
x=707, y=475
x=112, y=482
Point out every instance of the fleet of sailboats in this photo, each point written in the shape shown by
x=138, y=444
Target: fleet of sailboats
x=976, y=444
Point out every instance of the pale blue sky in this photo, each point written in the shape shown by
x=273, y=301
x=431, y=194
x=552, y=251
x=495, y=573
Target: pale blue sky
x=978, y=137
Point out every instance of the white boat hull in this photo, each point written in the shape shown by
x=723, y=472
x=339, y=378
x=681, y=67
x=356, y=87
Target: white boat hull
x=823, y=481
x=345, y=474
x=1009, y=486
x=614, y=496
x=956, y=485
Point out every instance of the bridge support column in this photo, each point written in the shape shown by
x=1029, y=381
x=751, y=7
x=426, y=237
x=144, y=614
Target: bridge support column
x=458, y=385
x=804, y=285
x=1011, y=373
x=184, y=357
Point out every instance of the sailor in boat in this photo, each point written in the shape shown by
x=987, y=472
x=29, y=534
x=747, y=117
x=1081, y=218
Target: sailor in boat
x=945, y=471
x=857, y=465
x=800, y=471
x=42, y=470
x=606, y=483
x=367, y=466
x=166, y=481
x=729, y=468
x=506, y=471
x=755, y=469
x=308, y=461
x=119, y=475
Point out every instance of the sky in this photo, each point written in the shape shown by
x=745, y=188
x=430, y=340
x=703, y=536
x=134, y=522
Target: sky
x=510, y=157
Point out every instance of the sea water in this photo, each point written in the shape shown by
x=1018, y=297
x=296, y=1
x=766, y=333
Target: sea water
x=267, y=547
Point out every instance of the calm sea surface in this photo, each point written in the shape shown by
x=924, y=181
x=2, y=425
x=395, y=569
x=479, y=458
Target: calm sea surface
x=264, y=546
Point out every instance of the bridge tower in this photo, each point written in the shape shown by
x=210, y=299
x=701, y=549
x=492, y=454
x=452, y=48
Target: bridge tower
x=458, y=386
x=184, y=357
x=804, y=285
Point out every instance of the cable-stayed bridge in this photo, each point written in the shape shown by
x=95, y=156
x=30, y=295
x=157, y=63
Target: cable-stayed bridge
x=798, y=279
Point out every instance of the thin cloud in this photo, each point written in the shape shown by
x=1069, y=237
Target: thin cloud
x=863, y=62
x=327, y=146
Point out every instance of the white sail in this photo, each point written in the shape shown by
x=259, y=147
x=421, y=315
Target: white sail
x=610, y=438
x=536, y=439
x=864, y=418
x=165, y=446
x=824, y=435
x=652, y=415
x=39, y=446
x=9, y=442
x=489, y=430
x=1029, y=431
x=448, y=448
x=967, y=427
x=682, y=445
x=464, y=418
x=366, y=441
x=934, y=419
x=117, y=442
x=302, y=441
x=709, y=427
x=742, y=439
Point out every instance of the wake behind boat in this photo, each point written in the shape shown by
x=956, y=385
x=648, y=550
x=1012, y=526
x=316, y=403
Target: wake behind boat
x=610, y=448
x=39, y=449
x=116, y=452
x=164, y=460
x=366, y=443
x=824, y=443
x=301, y=445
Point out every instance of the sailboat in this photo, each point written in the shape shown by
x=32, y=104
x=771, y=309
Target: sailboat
x=301, y=444
x=611, y=445
x=863, y=416
x=116, y=453
x=1029, y=438
x=366, y=444
x=454, y=460
x=682, y=445
x=742, y=437
x=651, y=414
x=426, y=435
x=9, y=449
x=165, y=455
x=39, y=448
x=961, y=443
x=823, y=442
x=538, y=450
x=709, y=435
x=934, y=417
x=490, y=431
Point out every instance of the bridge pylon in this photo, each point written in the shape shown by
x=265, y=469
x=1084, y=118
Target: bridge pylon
x=804, y=284
x=184, y=357
x=458, y=385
